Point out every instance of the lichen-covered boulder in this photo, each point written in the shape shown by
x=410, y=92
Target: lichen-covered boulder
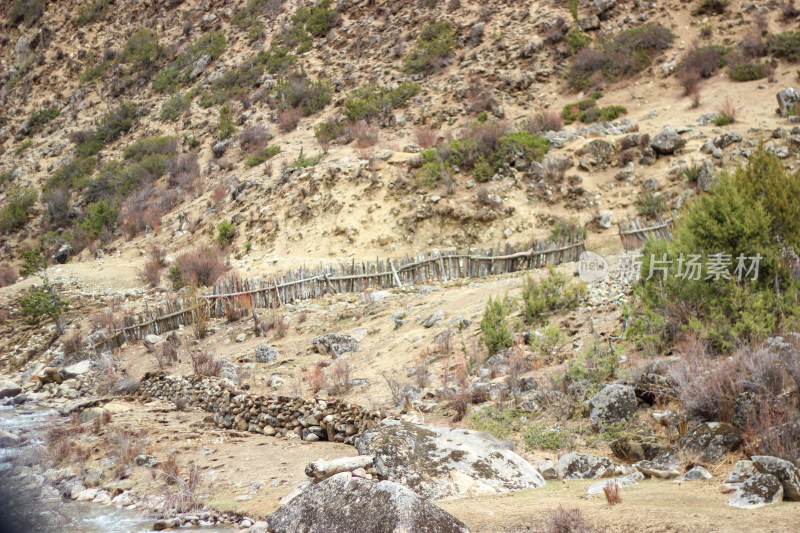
x=787, y=100
x=265, y=353
x=574, y=465
x=741, y=471
x=612, y=404
x=440, y=463
x=709, y=442
x=759, y=490
x=786, y=472
x=667, y=141
x=335, y=344
x=344, y=504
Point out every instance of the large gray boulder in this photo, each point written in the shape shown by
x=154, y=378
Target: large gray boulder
x=439, y=462
x=601, y=6
x=706, y=176
x=786, y=472
x=575, y=465
x=9, y=388
x=77, y=369
x=710, y=443
x=612, y=404
x=667, y=141
x=335, y=344
x=741, y=471
x=787, y=99
x=759, y=490
x=265, y=353
x=344, y=504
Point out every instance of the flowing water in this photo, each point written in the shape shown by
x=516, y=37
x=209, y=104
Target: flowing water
x=82, y=517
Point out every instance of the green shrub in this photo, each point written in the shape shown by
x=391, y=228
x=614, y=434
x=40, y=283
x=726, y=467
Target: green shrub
x=26, y=11
x=177, y=72
x=225, y=233
x=142, y=52
x=786, y=45
x=495, y=334
x=94, y=69
x=299, y=92
x=594, y=368
x=649, y=205
x=149, y=146
x=91, y=12
x=577, y=39
x=482, y=171
x=572, y=5
x=14, y=214
x=553, y=293
x=99, y=216
x=627, y=53
x=72, y=175
x=522, y=144
x=744, y=70
x=175, y=107
x=483, y=116
x=7, y=176
x=303, y=161
x=753, y=211
x=33, y=261
x=710, y=7
x=39, y=119
x=39, y=303
x=371, y=101
x=723, y=119
x=24, y=145
x=539, y=437
x=548, y=341
x=434, y=46
x=246, y=18
x=265, y=154
x=318, y=19
x=226, y=127
x=501, y=423
x=113, y=125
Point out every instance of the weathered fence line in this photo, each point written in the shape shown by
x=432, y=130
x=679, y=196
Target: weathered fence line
x=635, y=231
x=352, y=276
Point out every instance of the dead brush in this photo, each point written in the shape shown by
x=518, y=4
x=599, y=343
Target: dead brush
x=203, y=362
x=72, y=344
x=126, y=444
x=315, y=377
x=564, y=520
x=611, y=490
x=180, y=494
x=479, y=95
x=426, y=136
x=170, y=469
x=279, y=324
x=339, y=377
x=444, y=342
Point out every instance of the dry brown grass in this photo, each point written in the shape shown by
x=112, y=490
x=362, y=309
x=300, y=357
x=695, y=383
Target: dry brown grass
x=288, y=119
x=339, y=377
x=203, y=363
x=426, y=136
x=8, y=275
x=315, y=377
x=613, y=496
x=563, y=520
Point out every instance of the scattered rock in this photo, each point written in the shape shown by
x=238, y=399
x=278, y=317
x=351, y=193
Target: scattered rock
x=50, y=375
x=787, y=99
x=637, y=448
x=439, y=462
x=651, y=469
x=759, y=490
x=575, y=465
x=605, y=219
x=434, y=319
x=626, y=481
x=727, y=139
x=667, y=141
x=9, y=439
x=9, y=389
x=786, y=472
x=548, y=470
x=145, y=460
x=335, y=344
x=698, y=473
x=601, y=6
x=265, y=353
x=706, y=177
x=708, y=443
x=741, y=471
x=612, y=404
x=78, y=369
x=342, y=503
x=89, y=414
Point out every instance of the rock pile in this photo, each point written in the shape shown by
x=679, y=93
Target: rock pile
x=308, y=419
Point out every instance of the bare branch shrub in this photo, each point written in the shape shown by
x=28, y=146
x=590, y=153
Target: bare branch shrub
x=339, y=376
x=203, y=363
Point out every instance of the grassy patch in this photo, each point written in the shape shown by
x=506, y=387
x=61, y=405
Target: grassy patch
x=91, y=12
x=785, y=45
x=434, y=46
x=627, y=53
x=303, y=161
x=24, y=145
x=553, y=293
x=39, y=119
x=175, y=107
x=299, y=92
x=26, y=11
x=111, y=126
x=267, y=153
x=72, y=175
x=372, y=101
x=14, y=213
x=177, y=72
x=745, y=70
x=246, y=18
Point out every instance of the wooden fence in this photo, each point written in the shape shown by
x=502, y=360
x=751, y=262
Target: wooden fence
x=349, y=277
x=634, y=231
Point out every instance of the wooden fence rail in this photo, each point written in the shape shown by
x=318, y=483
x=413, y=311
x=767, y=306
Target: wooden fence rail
x=352, y=276
x=635, y=231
